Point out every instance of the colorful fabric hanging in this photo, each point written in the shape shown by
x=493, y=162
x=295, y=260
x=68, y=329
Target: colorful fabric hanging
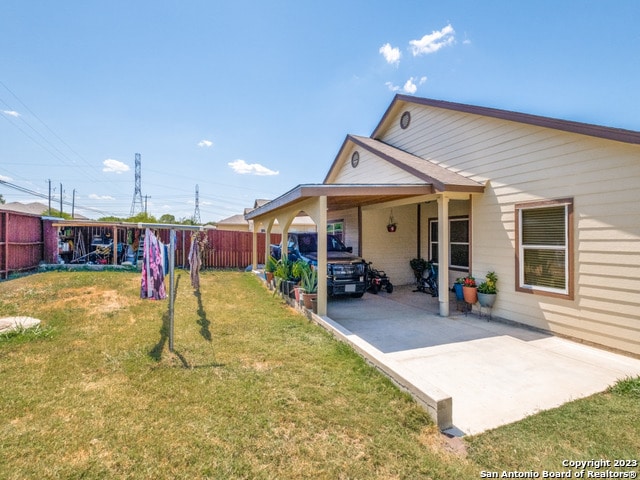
x=195, y=262
x=152, y=285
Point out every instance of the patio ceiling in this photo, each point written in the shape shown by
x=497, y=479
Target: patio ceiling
x=340, y=197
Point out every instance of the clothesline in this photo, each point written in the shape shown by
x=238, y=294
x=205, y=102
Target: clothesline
x=172, y=244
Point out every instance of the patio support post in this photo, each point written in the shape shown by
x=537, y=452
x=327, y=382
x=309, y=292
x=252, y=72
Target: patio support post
x=322, y=255
x=443, y=254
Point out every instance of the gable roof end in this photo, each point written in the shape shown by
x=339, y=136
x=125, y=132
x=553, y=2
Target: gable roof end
x=441, y=178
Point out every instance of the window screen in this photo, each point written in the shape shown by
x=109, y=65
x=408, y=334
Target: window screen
x=544, y=244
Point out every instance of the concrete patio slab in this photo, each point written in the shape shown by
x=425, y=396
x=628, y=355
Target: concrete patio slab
x=481, y=374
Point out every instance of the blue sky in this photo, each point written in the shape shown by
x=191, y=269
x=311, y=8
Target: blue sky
x=247, y=99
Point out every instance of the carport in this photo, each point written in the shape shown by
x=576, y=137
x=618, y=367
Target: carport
x=316, y=200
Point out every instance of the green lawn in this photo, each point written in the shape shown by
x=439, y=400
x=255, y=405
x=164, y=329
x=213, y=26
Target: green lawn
x=252, y=390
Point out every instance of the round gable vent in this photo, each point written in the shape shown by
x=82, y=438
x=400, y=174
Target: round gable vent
x=405, y=120
x=355, y=159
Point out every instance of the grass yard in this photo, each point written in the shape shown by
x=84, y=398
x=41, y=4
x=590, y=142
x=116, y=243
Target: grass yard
x=252, y=390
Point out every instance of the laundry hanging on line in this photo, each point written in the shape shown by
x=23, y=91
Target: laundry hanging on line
x=195, y=261
x=152, y=283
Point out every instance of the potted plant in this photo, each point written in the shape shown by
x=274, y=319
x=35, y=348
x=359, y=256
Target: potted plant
x=487, y=290
x=298, y=271
x=457, y=287
x=282, y=274
x=269, y=268
x=391, y=225
x=310, y=287
x=470, y=289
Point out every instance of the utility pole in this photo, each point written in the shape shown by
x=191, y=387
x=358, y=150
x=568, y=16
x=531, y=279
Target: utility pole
x=60, y=199
x=49, y=197
x=73, y=205
x=146, y=197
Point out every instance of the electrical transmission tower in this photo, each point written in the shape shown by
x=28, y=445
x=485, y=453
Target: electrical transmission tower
x=136, y=204
x=196, y=213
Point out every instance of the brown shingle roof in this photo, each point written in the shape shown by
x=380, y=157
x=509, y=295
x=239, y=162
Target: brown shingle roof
x=441, y=178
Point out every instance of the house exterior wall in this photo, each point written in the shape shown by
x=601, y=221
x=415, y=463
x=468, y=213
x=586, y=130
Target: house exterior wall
x=520, y=163
x=387, y=251
x=232, y=227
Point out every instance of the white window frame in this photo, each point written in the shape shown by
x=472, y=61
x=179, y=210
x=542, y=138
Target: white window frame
x=433, y=243
x=567, y=249
x=336, y=227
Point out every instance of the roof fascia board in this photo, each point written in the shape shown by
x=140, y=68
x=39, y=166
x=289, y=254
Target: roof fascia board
x=303, y=192
x=608, y=133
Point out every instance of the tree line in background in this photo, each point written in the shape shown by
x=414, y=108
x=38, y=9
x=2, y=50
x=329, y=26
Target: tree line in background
x=146, y=218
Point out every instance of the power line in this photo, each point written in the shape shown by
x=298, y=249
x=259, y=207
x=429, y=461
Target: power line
x=60, y=155
x=46, y=197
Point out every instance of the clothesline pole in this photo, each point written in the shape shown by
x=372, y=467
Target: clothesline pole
x=172, y=254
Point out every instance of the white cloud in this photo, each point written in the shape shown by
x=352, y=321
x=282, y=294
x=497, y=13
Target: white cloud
x=11, y=113
x=94, y=196
x=390, y=54
x=244, y=168
x=114, y=166
x=411, y=85
x=205, y=143
x=392, y=87
x=5, y=179
x=433, y=42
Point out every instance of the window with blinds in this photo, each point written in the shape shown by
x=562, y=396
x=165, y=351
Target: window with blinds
x=544, y=247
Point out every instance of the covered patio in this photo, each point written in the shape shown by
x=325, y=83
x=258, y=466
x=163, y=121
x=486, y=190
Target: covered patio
x=317, y=201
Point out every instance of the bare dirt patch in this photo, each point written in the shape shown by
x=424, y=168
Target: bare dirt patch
x=95, y=300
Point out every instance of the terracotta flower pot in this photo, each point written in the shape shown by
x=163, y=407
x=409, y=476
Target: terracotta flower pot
x=307, y=299
x=470, y=294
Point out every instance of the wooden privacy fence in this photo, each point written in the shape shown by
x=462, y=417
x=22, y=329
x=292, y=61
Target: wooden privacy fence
x=22, y=241
x=224, y=249
x=28, y=240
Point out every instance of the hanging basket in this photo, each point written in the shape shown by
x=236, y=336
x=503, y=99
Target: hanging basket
x=391, y=224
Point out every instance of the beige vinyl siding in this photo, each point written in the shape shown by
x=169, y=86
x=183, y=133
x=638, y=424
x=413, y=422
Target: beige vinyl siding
x=391, y=252
x=371, y=170
x=522, y=163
